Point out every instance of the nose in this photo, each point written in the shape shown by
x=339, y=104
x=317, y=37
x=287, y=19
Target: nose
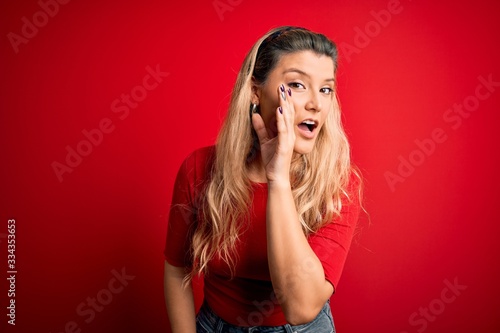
x=314, y=102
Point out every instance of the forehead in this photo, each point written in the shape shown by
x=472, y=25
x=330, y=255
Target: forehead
x=313, y=64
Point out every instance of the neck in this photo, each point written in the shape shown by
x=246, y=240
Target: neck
x=256, y=170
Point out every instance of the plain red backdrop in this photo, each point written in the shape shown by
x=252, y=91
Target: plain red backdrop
x=433, y=223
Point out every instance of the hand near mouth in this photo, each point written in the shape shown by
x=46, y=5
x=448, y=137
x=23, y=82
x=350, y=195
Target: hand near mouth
x=276, y=152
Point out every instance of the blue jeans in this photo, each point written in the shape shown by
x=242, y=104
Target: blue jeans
x=208, y=322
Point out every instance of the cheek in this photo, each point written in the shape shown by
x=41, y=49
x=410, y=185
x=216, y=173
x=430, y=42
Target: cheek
x=268, y=114
x=323, y=118
x=268, y=106
x=271, y=124
x=328, y=108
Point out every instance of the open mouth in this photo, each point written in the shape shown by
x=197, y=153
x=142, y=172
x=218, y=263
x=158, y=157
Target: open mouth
x=308, y=125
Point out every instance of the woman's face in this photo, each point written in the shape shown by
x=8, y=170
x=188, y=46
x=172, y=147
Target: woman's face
x=311, y=80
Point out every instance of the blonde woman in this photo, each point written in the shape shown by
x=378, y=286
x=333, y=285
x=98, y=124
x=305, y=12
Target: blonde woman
x=267, y=215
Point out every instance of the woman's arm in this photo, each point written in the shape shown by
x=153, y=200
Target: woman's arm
x=179, y=300
x=296, y=272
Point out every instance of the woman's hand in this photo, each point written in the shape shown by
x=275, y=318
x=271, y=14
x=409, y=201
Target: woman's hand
x=276, y=152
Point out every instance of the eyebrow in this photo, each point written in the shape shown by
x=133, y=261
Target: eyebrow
x=296, y=70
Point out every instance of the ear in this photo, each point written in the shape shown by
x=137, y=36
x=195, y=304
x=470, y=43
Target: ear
x=256, y=92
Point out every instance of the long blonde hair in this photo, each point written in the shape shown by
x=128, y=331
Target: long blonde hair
x=319, y=178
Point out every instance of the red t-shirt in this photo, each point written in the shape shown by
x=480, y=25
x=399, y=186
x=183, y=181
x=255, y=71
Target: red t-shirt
x=247, y=299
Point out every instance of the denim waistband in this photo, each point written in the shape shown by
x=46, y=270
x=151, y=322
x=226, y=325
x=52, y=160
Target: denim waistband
x=208, y=322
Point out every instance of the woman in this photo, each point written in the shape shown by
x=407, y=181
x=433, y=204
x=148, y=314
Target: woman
x=267, y=214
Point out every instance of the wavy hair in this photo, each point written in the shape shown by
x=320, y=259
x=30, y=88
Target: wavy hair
x=319, y=179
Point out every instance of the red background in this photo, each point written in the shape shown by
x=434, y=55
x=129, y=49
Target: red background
x=439, y=224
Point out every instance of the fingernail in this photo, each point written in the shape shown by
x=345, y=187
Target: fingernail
x=289, y=92
x=280, y=110
x=283, y=94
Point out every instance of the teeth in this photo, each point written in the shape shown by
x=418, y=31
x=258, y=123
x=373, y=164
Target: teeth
x=308, y=122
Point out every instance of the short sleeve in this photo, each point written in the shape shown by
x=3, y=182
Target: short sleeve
x=184, y=207
x=331, y=243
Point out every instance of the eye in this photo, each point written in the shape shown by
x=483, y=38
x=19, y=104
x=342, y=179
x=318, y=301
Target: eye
x=326, y=90
x=296, y=85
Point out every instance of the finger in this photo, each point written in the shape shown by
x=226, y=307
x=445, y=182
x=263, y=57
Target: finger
x=280, y=111
x=260, y=128
x=285, y=95
x=290, y=111
x=282, y=93
x=281, y=124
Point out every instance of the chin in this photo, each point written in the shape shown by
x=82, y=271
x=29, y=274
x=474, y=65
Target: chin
x=304, y=147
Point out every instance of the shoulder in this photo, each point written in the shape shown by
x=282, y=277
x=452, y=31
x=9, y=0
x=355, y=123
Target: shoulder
x=200, y=156
x=197, y=166
x=351, y=199
x=354, y=188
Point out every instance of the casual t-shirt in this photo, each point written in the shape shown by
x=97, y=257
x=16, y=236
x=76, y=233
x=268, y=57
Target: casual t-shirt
x=245, y=296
